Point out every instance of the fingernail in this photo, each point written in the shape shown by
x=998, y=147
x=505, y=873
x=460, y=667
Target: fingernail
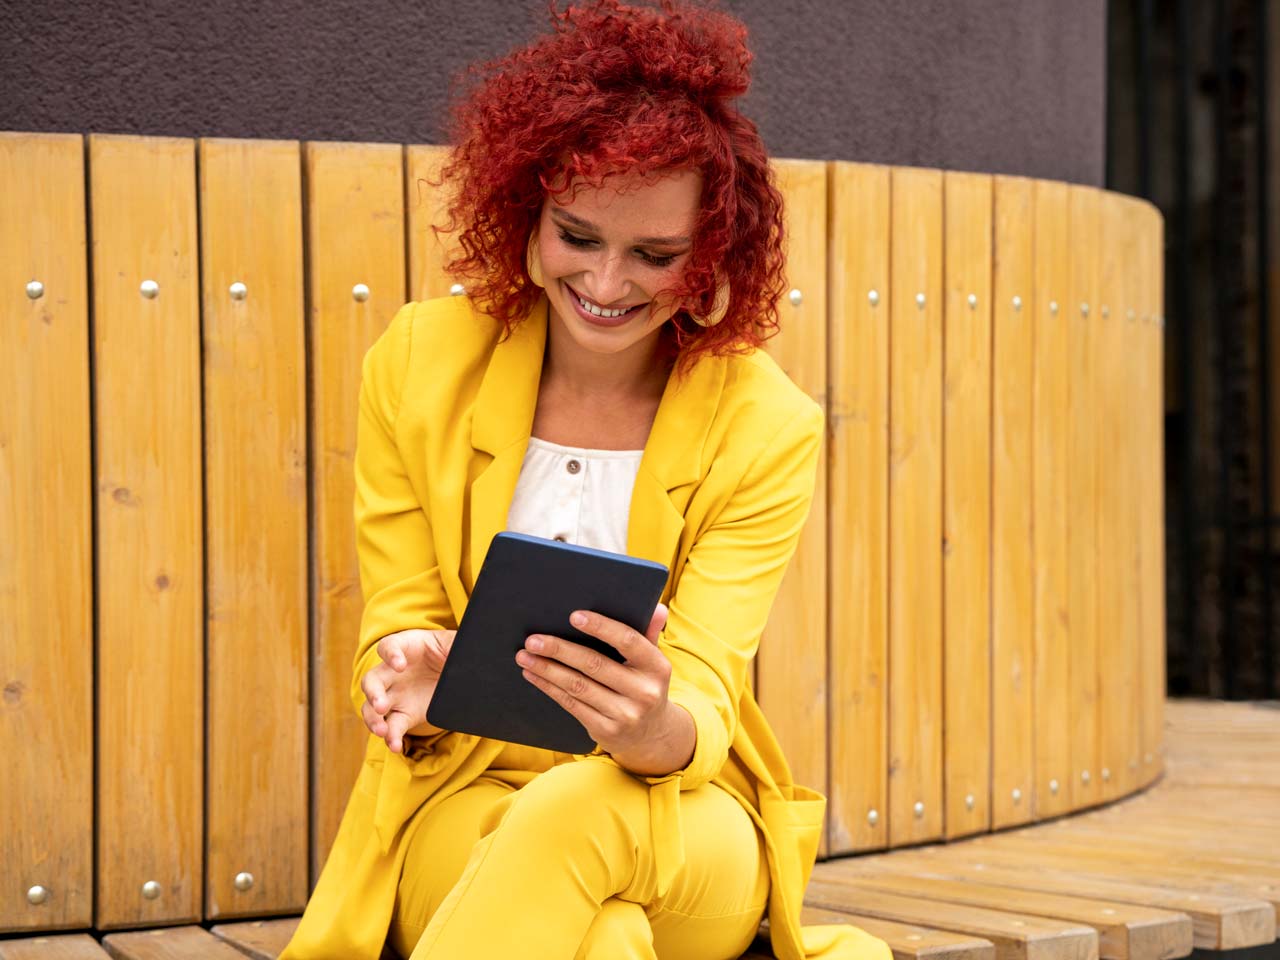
x=579, y=619
x=534, y=643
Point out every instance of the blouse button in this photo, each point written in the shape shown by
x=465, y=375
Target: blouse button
x=560, y=538
x=573, y=466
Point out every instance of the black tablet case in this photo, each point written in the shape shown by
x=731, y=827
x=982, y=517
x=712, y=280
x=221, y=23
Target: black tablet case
x=530, y=585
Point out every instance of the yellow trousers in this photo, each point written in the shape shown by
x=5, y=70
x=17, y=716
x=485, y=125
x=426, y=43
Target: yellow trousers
x=550, y=857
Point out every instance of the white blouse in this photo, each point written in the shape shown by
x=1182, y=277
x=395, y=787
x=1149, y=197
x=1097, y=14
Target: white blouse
x=575, y=495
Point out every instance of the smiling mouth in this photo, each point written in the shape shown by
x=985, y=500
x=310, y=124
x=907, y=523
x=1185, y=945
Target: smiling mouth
x=604, y=313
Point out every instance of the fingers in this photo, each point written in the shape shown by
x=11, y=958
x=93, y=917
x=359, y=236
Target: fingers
x=397, y=724
x=376, y=723
x=605, y=699
x=587, y=715
x=391, y=651
x=657, y=623
x=636, y=648
x=375, y=691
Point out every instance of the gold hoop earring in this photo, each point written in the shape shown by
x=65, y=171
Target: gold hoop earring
x=719, y=307
x=533, y=262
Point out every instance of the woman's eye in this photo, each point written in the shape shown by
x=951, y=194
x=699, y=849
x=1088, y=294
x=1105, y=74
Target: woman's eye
x=658, y=261
x=574, y=241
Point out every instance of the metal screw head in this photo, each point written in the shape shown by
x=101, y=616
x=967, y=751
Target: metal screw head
x=1084, y=309
x=457, y=290
x=796, y=297
x=873, y=817
x=1084, y=776
x=1053, y=786
x=973, y=300
x=873, y=297
x=150, y=289
x=238, y=291
x=37, y=895
x=1017, y=795
x=151, y=889
x=919, y=809
x=969, y=802
x=1133, y=764
x=1106, y=311
x=360, y=293
x=1130, y=314
x=1053, y=306
x=244, y=881
x=1146, y=758
x=1106, y=774
x=920, y=300
x=35, y=290
x=1017, y=303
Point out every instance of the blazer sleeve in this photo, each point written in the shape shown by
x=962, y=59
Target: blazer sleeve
x=728, y=583
x=399, y=575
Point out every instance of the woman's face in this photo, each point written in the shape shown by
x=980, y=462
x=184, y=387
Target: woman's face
x=605, y=252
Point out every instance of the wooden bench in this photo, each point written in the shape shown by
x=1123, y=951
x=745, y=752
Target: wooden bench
x=1192, y=862
x=183, y=325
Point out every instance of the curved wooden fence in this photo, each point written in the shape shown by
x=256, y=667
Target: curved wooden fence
x=971, y=635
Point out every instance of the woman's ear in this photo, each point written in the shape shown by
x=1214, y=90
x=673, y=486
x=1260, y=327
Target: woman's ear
x=533, y=260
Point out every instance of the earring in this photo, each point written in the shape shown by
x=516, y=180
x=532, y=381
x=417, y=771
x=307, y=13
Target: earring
x=533, y=262
x=719, y=307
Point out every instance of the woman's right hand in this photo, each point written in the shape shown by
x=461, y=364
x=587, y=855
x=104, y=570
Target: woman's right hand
x=398, y=690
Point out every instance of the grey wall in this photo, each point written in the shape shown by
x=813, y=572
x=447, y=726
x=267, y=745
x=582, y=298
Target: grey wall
x=1008, y=86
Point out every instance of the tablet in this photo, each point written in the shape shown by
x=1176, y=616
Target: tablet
x=530, y=585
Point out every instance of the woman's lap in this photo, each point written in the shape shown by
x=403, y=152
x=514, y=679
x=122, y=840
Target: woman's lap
x=714, y=903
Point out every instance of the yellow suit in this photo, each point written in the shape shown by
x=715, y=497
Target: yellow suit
x=722, y=492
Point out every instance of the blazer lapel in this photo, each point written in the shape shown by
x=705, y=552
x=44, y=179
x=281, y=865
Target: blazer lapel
x=673, y=463
x=500, y=428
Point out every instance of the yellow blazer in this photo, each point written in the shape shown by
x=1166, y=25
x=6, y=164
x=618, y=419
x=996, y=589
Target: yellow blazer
x=723, y=489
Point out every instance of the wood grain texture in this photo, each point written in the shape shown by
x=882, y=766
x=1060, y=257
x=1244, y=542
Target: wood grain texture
x=1012, y=557
x=1079, y=319
x=915, y=508
x=1051, y=793
x=76, y=946
x=46, y=577
x=256, y=540
x=966, y=504
x=908, y=940
x=169, y=943
x=1016, y=936
x=150, y=576
x=791, y=666
x=259, y=939
x=355, y=235
x=1150, y=376
x=1116, y=676
x=425, y=205
x=858, y=505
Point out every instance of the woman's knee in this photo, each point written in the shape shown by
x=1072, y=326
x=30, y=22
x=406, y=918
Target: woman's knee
x=581, y=798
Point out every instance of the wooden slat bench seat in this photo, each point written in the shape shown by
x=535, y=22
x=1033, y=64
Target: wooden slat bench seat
x=1194, y=862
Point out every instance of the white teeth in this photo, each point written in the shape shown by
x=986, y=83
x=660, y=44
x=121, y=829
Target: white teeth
x=600, y=311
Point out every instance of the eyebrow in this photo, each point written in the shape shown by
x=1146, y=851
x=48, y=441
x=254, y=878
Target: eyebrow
x=643, y=241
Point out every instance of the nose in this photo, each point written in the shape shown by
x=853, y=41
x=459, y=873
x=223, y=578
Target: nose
x=607, y=281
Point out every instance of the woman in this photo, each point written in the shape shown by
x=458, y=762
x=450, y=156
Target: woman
x=620, y=236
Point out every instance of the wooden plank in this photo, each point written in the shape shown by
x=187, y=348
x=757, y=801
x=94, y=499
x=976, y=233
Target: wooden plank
x=858, y=505
x=915, y=508
x=77, y=946
x=792, y=661
x=1218, y=923
x=1051, y=794
x=1125, y=932
x=259, y=939
x=425, y=205
x=256, y=466
x=169, y=943
x=1150, y=413
x=1012, y=580
x=909, y=940
x=46, y=599
x=1015, y=936
x=966, y=520
x=355, y=235
x=1079, y=322
x=150, y=576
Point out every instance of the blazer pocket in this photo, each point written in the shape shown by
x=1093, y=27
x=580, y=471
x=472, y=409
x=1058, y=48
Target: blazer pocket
x=795, y=824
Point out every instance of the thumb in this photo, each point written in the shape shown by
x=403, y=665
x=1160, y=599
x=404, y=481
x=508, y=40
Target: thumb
x=657, y=623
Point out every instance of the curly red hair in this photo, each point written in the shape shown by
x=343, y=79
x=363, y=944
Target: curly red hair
x=618, y=88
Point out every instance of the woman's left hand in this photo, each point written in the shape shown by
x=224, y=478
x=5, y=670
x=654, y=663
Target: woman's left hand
x=623, y=706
